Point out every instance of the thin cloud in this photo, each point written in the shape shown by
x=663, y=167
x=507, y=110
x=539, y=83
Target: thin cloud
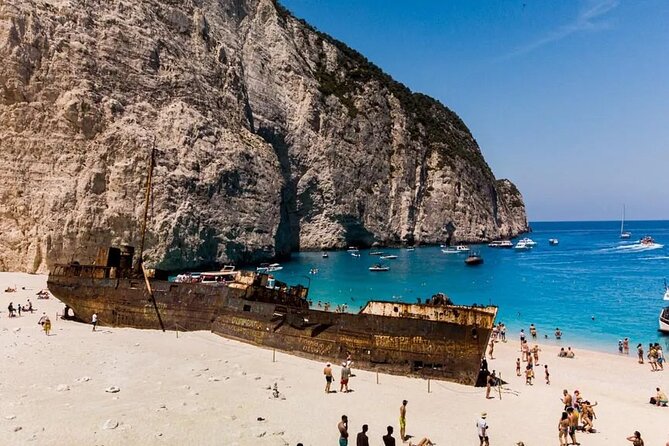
x=588, y=19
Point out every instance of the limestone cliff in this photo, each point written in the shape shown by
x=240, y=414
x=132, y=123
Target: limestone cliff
x=271, y=137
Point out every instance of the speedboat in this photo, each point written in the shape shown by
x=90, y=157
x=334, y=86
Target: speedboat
x=355, y=254
x=553, y=241
x=269, y=267
x=647, y=240
x=522, y=246
x=449, y=251
x=500, y=244
x=352, y=249
x=411, y=248
x=379, y=268
x=388, y=257
x=528, y=241
x=473, y=259
x=325, y=255
x=462, y=248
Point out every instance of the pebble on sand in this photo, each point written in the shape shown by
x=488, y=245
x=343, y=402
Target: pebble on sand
x=110, y=424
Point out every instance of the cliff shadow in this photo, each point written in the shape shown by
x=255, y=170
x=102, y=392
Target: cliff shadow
x=287, y=236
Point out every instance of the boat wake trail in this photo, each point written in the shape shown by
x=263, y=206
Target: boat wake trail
x=636, y=247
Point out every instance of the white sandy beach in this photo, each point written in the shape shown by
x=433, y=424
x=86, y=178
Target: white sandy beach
x=201, y=389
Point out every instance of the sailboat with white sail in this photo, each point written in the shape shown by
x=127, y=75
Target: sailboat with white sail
x=624, y=234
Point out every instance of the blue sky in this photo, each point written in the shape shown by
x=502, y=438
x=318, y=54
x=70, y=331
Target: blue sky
x=569, y=99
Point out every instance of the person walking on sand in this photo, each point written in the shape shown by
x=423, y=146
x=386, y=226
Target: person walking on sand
x=547, y=374
x=362, y=439
x=573, y=424
x=639, y=352
x=345, y=375
x=388, y=439
x=403, y=420
x=489, y=382
x=327, y=371
x=342, y=426
x=517, y=366
x=535, y=354
x=94, y=320
x=492, y=348
x=636, y=439
x=482, y=430
x=660, y=356
x=563, y=428
x=47, y=325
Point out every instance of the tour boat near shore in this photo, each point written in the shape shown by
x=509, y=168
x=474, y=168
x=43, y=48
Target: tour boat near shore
x=500, y=244
x=664, y=313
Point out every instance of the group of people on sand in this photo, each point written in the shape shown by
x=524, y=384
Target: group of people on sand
x=578, y=415
x=13, y=311
x=345, y=376
x=362, y=438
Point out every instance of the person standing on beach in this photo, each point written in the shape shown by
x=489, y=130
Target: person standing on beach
x=522, y=337
x=626, y=346
x=566, y=399
x=327, y=371
x=517, y=366
x=482, y=430
x=573, y=424
x=489, y=382
x=660, y=356
x=533, y=331
x=403, y=420
x=345, y=375
x=502, y=332
x=639, y=352
x=548, y=375
x=388, y=439
x=492, y=347
x=652, y=358
x=535, y=353
x=94, y=320
x=343, y=431
x=563, y=428
x=47, y=325
x=362, y=439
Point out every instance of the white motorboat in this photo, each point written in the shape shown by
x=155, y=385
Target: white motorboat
x=388, y=257
x=449, y=251
x=664, y=313
x=355, y=254
x=462, y=248
x=376, y=253
x=379, y=268
x=522, y=246
x=500, y=244
x=553, y=241
x=411, y=248
x=325, y=255
x=352, y=249
x=664, y=320
x=269, y=267
x=528, y=241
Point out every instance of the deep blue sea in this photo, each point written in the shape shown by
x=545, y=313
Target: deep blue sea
x=590, y=274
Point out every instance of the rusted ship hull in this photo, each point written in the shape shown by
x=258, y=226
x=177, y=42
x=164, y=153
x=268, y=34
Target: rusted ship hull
x=446, y=342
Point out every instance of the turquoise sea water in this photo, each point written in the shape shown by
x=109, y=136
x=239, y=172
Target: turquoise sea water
x=591, y=273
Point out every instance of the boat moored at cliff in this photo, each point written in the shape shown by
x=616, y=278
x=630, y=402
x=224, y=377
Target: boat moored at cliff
x=436, y=340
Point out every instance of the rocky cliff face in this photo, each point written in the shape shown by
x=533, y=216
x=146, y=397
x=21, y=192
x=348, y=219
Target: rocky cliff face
x=270, y=137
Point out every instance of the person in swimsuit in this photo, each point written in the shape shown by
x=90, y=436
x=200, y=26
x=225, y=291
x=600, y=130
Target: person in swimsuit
x=342, y=426
x=573, y=424
x=47, y=325
x=517, y=366
x=345, y=374
x=566, y=399
x=639, y=352
x=424, y=442
x=388, y=439
x=548, y=375
x=636, y=439
x=563, y=428
x=403, y=420
x=327, y=371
